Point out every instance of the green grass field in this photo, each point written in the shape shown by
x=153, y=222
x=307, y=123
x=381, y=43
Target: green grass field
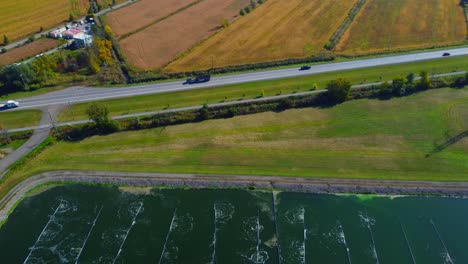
x=271, y=87
x=388, y=139
x=20, y=118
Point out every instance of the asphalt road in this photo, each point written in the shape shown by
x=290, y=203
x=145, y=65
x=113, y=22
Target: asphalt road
x=41, y=132
x=49, y=125
x=86, y=94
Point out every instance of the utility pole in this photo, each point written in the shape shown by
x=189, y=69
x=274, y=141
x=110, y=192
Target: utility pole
x=53, y=122
x=71, y=110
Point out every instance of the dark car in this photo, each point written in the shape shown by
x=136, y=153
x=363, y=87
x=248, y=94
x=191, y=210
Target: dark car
x=446, y=54
x=198, y=79
x=304, y=68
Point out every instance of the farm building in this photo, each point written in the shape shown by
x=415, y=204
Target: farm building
x=57, y=33
x=72, y=33
x=83, y=41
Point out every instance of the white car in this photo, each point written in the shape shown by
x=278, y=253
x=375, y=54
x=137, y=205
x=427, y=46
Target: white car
x=10, y=104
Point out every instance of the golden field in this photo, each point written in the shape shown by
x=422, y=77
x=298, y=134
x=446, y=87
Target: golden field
x=276, y=30
x=384, y=25
x=20, y=18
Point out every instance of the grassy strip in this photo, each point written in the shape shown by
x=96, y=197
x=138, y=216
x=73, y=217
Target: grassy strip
x=387, y=139
x=10, y=180
x=15, y=144
x=16, y=119
x=271, y=87
x=28, y=193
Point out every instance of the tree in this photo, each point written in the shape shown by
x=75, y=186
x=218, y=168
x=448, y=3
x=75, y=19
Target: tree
x=424, y=82
x=6, y=41
x=242, y=12
x=225, y=22
x=253, y=4
x=108, y=31
x=104, y=50
x=410, y=78
x=204, y=112
x=17, y=77
x=31, y=38
x=247, y=10
x=98, y=113
x=339, y=89
x=44, y=67
x=384, y=89
x=71, y=17
x=397, y=85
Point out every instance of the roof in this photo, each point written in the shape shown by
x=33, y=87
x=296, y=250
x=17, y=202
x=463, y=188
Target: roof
x=83, y=37
x=72, y=32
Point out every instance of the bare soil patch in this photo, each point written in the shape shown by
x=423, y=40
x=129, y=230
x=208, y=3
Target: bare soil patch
x=27, y=50
x=142, y=13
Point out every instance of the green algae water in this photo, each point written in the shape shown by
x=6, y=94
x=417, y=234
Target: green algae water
x=93, y=224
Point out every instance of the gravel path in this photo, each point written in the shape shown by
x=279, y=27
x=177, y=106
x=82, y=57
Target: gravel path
x=296, y=184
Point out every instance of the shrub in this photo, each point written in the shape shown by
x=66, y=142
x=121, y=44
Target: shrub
x=339, y=89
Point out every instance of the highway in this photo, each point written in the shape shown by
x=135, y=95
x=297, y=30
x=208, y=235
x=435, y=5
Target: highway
x=86, y=94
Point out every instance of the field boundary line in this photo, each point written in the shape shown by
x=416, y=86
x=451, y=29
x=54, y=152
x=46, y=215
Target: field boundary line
x=336, y=37
x=126, y=35
x=464, y=5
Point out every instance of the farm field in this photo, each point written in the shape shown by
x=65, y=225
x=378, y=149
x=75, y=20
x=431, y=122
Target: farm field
x=160, y=43
x=403, y=24
x=28, y=50
x=21, y=18
x=276, y=30
x=391, y=139
x=142, y=13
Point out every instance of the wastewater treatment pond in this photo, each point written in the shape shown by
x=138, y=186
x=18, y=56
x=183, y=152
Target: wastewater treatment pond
x=94, y=224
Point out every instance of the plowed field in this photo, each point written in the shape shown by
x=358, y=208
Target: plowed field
x=160, y=43
x=27, y=50
x=141, y=14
